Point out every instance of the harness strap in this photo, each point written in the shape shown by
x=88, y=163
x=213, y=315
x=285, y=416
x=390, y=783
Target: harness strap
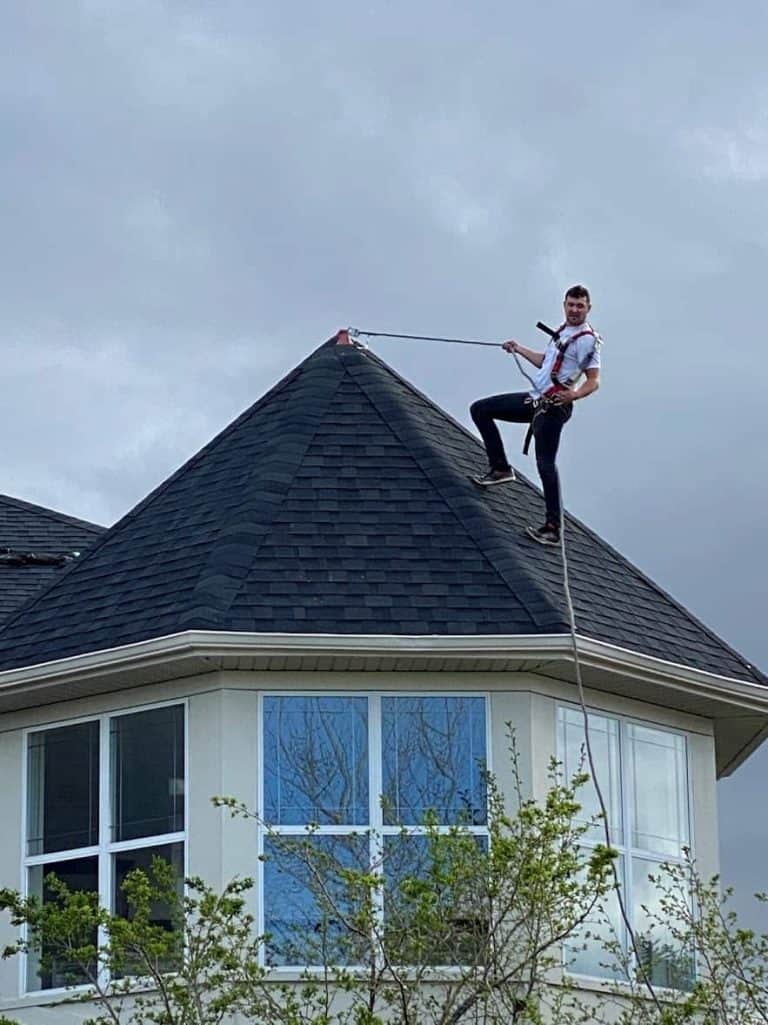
x=545, y=402
x=562, y=348
x=540, y=406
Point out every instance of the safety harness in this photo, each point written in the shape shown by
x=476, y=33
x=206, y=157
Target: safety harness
x=546, y=401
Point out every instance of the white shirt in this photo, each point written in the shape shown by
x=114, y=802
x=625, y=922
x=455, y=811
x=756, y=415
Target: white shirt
x=583, y=354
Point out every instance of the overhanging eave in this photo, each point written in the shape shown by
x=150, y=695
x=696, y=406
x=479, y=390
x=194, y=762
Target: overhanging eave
x=738, y=708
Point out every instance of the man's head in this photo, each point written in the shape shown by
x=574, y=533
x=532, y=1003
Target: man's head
x=577, y=305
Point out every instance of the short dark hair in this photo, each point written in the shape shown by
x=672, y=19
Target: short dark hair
x=578, y=292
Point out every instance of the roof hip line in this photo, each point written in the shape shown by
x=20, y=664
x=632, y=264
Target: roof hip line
x=237, y=546
x=466, y=506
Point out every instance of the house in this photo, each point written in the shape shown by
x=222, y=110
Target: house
x=309, y=613
x=35, y=545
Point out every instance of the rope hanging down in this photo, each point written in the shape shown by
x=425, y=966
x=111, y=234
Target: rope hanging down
x=604, y=815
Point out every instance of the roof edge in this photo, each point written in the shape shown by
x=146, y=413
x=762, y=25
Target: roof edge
x=486, y=647
x=47, y=513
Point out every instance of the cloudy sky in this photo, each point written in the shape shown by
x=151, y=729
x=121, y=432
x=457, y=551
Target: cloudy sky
x=194, y=195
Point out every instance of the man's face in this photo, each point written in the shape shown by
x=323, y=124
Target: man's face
x=576, y=310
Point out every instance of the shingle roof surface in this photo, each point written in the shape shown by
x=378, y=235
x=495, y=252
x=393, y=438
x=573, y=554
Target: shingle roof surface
x=32, y=528
x=340, y=503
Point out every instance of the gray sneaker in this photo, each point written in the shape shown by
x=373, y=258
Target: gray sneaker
x=494, y=477
x=549, y=534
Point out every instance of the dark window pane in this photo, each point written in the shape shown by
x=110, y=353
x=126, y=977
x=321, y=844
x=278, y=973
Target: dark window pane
x=165, y=948
x=127, y=861
x=63, y=796
x=302, y=908
x=434, y=760
x=436, y=902
x=148, y=773
x=316, y=760
x=54, y=966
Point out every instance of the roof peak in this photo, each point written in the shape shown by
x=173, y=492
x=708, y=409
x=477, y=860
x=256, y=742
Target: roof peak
x=339, y=502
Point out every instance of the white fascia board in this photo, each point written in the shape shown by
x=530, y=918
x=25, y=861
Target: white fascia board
x=210, y=646
x=611, y=657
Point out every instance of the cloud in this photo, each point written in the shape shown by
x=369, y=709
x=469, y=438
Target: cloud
x=194, y=196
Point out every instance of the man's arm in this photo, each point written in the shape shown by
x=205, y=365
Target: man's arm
x=591, y=384
x=537, y=358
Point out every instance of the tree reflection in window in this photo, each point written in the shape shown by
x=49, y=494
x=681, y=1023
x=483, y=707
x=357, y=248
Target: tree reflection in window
x=316, y=760
x=434, y=760
x=319, y=754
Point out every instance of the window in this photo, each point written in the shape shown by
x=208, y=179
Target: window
x=358, y=769
x=103, y=797
x=643, y=776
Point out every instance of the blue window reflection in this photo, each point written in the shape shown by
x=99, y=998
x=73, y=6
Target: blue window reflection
x=434, y=760
x=316, y=760
x=305, y=911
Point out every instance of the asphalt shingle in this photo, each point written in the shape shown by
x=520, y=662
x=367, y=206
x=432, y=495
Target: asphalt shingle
x=33, y=529
x=340, y=503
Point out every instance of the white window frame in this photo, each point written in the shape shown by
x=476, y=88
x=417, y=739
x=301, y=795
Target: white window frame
x=105, y=849
x=627, y=853
x=375, y=827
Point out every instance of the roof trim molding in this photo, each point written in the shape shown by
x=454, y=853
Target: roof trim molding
x=738, y=709
x=485, y=650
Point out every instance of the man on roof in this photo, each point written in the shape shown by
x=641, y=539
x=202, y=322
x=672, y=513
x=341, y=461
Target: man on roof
x=548, y=406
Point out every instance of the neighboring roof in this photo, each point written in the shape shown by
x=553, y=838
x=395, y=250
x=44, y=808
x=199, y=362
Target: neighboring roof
x=340, y=504
x=35, y=543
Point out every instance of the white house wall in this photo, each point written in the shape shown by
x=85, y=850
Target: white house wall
x=223, y=758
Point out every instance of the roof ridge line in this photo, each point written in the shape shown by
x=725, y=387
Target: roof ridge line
x=53, y=514
x=233, y=571
x=478, y=509
x=447, y=416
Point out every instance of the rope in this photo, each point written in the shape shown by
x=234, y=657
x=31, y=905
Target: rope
x=524, y=372
x=354, y=332
x=591, y=761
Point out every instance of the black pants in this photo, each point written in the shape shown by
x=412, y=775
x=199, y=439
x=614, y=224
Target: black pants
x=518, y=408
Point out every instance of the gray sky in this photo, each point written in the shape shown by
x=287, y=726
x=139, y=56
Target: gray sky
x=194, y=195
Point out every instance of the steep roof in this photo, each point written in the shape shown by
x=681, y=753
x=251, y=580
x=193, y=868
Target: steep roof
x=35, y=543
x=340, y=503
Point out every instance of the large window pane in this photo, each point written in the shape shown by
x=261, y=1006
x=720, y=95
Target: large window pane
x=148, y=773
x=127, y=861
x=604, y=742
x=436, y=906
x=56, y=967
x=597, y=948
x=167, y=948
x=316, y=760
x=665, y=961
x=63, y=791
x=658, y=789
x=433, y=759
x=306, y=901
